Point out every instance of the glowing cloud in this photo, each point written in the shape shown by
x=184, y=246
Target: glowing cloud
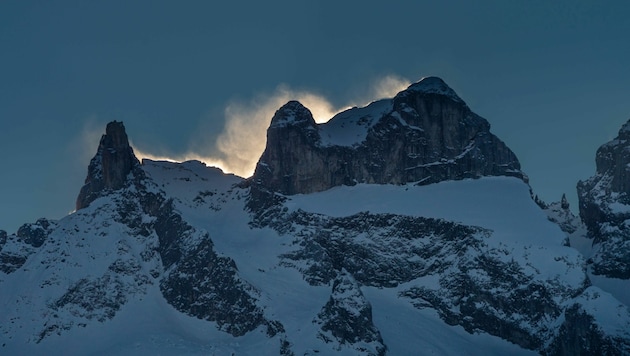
x=389, y=86
x=243, y=139
x=90, y=137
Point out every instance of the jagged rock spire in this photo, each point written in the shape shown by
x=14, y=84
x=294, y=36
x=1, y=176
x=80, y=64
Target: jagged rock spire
x=110, y=167
x=564, y=203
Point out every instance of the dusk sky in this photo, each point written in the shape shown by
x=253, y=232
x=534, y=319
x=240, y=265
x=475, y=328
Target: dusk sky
x=195, y=79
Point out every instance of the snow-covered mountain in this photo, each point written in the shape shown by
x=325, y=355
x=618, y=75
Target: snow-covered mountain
x=401, y=228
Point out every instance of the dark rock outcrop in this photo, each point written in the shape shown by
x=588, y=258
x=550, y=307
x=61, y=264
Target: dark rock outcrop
x=609, y=185
x=3, y=238
x=425, y=134
x=110, y=167
x=9, y=263
x=581, y=333
x=605, y=206
x=20, y=246
x=347, y=319
x=579, y=336
x=401, y=248
x=207, y=286
x=560, y=213
x=477, y=288
x=35, y=234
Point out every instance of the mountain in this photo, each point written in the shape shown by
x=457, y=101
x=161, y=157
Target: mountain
x=425, y=134
x=605, y=207
x=404, y=227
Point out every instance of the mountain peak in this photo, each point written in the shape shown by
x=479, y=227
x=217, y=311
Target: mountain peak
x=426, y=134
x=433, y=85
x=291, y=114
x=115, y=131
x=111, y=165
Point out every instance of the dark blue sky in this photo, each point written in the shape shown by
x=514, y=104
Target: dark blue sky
x=552, y=78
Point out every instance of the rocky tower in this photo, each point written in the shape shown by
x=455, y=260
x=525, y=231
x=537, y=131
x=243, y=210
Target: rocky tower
x=110, y=167
x=425, y=134
x=605, y=206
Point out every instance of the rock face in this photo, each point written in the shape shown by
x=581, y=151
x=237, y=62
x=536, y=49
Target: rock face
x=35, y=234
x=605, y=206
x=560, y=213
x=347, y=318
x=207, y=286
x=425, y=134
x=584, y=332
x=477, y=287
x=111, y=165
x=15, y=249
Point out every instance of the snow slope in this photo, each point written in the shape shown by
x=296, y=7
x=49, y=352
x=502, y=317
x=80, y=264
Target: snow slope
x=290, y=298
x=350, y=127
x=86, y=244
x=501, y=204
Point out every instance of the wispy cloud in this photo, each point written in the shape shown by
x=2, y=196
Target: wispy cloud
x=91, y=132
x=388, y=86
x=243, y=139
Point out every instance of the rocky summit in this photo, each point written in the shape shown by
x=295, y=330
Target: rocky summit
x=605, y=206
x=404, y=227
x=108, y=170
x=425, y=134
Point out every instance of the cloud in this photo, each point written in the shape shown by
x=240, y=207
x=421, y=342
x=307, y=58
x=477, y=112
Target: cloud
x=80, y=150
x=91, y=132
x=243, y=139
x=389, y=86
